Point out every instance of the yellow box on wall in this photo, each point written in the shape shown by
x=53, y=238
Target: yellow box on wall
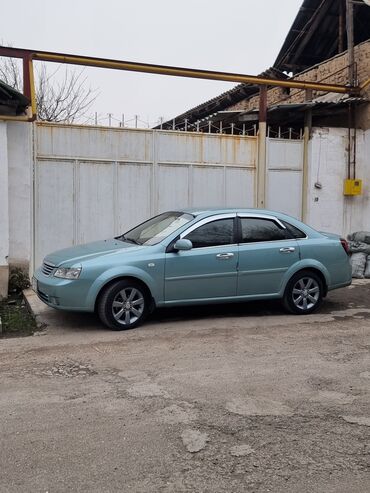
x=352, y=187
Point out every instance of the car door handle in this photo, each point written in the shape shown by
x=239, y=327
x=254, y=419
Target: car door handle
x=224, y=256
x=287, y=250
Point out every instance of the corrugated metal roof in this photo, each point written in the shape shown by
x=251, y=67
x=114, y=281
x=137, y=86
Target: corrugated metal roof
x=338, y=98
x=322, y=102
x=314, y=34
x=224, y=100
x=11, y=100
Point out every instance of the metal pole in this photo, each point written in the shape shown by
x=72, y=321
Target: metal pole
x=261, y=163
x=29, y=84
x=110, y=119
x=350, y=43
x=136, y=117
x=123, y=120
x=96, y=118
x=349, y=160
x=306, y=140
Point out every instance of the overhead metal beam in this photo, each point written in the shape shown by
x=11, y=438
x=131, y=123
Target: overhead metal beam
x=172, y=71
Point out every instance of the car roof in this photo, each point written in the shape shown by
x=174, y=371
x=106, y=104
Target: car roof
x=214, y=210
x=201, y=212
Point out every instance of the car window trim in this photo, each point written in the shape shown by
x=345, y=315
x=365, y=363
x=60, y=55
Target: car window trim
x=274, y=218
x=267, y=217
x=261, y=216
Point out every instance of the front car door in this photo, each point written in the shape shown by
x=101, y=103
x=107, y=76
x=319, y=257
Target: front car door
x=267, y=250
x=209, y=270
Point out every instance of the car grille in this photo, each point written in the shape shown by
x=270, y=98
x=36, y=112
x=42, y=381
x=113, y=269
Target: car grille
x=47, y=269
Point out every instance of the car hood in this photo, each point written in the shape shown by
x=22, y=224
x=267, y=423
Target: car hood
x=89, y=251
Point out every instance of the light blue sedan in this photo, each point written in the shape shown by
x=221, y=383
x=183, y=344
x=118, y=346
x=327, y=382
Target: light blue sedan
x=196, y=257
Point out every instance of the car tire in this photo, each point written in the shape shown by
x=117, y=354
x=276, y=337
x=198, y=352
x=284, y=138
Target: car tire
x=304, y=293
x=123, y=305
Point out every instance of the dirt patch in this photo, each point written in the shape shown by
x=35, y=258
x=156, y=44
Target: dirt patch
x=16, y=319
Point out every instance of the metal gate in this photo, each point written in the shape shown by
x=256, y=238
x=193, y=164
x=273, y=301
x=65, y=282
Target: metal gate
x=93, y=183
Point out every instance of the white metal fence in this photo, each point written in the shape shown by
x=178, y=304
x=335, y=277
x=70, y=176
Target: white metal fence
x=93, y=183
x=70, y=184
x=284, y=176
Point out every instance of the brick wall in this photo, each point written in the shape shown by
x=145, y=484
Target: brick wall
x=334, y=70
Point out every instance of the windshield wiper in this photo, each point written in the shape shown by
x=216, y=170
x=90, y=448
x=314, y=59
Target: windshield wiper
x=129, y=240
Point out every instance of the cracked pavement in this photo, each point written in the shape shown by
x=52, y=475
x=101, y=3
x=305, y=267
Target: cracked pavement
x=240, y=398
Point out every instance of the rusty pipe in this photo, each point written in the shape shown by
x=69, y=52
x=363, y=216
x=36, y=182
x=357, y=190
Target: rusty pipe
x=173, y=71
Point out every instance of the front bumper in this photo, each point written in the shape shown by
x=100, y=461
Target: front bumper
x=63, y=294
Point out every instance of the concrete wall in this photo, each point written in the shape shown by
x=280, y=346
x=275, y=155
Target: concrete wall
x=328, y=209
x=20, y=159
x=4, y=210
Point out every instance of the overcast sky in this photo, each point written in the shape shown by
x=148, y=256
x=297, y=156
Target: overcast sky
x=238, y=36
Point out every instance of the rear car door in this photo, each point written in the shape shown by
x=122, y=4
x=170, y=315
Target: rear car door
x=266, y=251
x=209, y=269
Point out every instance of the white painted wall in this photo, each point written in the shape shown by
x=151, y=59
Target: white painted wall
x=4, y=214
x=4, y=210
x=328, y=209
x=20, y=192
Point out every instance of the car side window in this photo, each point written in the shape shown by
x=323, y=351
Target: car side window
x=214, y=233
x=256, y=229
x=293, y=231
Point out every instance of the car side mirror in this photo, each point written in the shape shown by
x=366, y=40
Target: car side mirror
x=183, y=245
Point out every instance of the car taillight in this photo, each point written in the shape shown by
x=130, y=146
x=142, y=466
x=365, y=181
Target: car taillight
x=345, y=245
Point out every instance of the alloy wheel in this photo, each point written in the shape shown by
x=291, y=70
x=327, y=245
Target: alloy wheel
x=128, y=306
x=306, y=293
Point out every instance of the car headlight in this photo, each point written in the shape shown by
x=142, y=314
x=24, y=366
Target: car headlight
x=68, y=272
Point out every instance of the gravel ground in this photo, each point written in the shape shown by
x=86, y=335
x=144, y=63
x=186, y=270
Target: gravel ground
x=224, y=399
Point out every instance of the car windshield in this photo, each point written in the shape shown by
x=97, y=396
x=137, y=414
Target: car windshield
x=156, y=229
